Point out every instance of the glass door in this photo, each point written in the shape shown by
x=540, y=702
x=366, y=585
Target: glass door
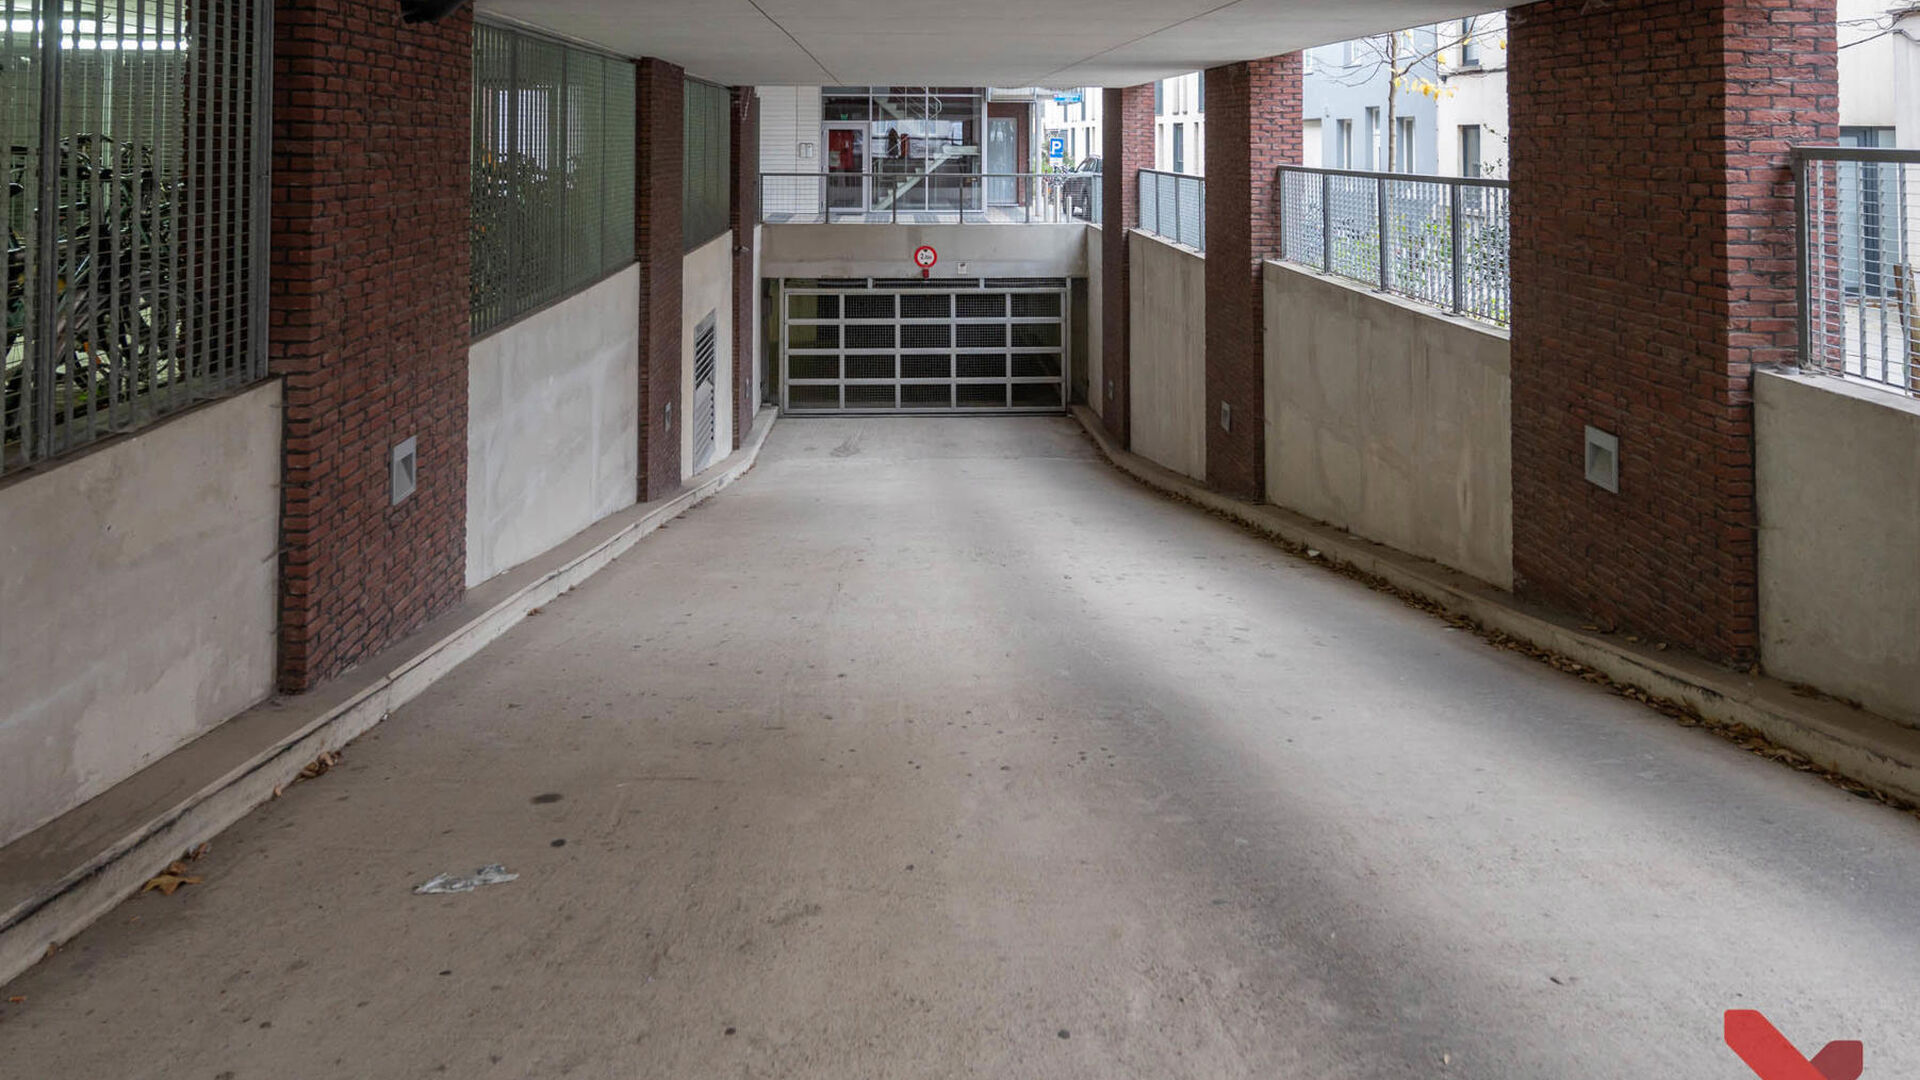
x=1003, y=147
x=846, y=168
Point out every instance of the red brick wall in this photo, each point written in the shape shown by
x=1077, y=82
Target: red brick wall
x=1126, y=137
x=660, y=130
x=1652, y=267
x=743, y=215
x=1253, y=127
x=368, y=322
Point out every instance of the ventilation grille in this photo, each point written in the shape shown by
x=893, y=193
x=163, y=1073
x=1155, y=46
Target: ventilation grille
x=705, y=415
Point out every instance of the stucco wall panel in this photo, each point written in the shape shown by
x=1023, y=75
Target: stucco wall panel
x=706, y=281
x=1389, y=420
x=553, y=425
x=1167, y=310
x=148, y=615
x=1837, y=472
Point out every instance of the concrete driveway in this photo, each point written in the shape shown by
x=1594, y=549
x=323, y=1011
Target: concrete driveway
x=937, y=748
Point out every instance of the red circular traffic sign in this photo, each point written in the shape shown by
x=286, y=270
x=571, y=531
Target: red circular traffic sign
x=924, y=257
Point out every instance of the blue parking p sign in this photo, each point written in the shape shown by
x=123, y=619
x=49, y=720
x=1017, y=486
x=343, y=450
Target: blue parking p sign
x=1056, y=147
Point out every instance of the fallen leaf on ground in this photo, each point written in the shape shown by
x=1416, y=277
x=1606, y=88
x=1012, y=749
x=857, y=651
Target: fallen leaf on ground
x=17, y=999
x=176, y=875
x=327, y=760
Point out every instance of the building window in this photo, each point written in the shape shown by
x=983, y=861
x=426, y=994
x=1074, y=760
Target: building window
x=1470, y=150
x=704, y=202
x=1160, y=98
x=1179, y=148
x=552, y=172
x=1469, y=48
x=1343, y=146
x=1403, y=143
x=134, y=260
x=1376, y=155
x=1200, y=92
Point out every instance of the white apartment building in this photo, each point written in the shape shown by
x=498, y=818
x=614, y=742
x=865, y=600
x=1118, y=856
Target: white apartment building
x=1471, y=110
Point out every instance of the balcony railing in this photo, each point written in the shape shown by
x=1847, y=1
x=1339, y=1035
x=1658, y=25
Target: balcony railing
x=929, y=198
x=1173, y=206
x=1859, y=302
x=1440, y=240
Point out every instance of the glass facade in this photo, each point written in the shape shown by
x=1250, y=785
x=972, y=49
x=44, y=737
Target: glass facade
x=922, y=145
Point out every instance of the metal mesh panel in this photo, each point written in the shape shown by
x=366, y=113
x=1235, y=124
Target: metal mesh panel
x=705, y=393
x=1354, y=227
x=552, y=172
x=1174, y=206
x=1303, y=208
x=708, y=156
x=1438, y=239
x=1860, y=313
x=136, y=212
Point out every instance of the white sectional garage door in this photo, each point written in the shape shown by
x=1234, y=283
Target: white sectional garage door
x=947, y=345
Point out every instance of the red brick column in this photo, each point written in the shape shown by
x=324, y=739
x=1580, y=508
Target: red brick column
x=744, y=216
x=1126, y=140
x=1253, y=126
x=658, y=163
x=369, y=322
x=1653, y=266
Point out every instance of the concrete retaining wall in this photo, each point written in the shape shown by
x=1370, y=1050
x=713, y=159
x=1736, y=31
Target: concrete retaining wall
x=1389, y=420
x=552, y=425
x=1168, y=355
x=1838, y=485
x=138, y=601
x=845, y=250
x=706, y=288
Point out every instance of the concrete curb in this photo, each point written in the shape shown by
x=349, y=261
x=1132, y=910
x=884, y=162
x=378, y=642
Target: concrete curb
x=74, y=874
x=1857, y=744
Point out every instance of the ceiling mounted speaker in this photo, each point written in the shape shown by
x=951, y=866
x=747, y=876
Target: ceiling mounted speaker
x=419, y=11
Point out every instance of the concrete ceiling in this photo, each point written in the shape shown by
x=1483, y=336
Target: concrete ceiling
x=943, y=42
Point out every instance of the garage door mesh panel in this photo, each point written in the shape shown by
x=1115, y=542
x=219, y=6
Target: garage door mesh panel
x=946, y=345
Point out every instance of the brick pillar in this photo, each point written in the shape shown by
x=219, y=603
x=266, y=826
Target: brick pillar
x=1126, y=139
x=744, y=217
x=1653, y=266
x=658, y=163
x=1253, y=126
x=369, y=322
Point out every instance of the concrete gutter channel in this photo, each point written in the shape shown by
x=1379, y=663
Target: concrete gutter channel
x=1835, y=737
x=58, y=879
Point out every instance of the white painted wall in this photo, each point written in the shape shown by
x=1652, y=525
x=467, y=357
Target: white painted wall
x=706, y=287
x=1167, y=372
x=1837, y=480
x=1474, y=96
x=137, y=601
x=1869, y=84
x=790, y=143
x=553, y=407
x=1183, y=104
x=1390, y=420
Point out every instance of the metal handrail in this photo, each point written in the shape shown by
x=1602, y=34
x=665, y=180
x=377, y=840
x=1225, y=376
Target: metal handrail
x=1046, y=185
x=1856, y=153
x=1451, y=181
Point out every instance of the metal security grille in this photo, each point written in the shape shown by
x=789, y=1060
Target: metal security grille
x=137, y=168
x=705, y=393
x=552, y=172
x=877, y=345
x=704, y=206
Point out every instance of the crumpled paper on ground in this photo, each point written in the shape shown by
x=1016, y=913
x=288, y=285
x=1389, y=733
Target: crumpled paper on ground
x=493, y=874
